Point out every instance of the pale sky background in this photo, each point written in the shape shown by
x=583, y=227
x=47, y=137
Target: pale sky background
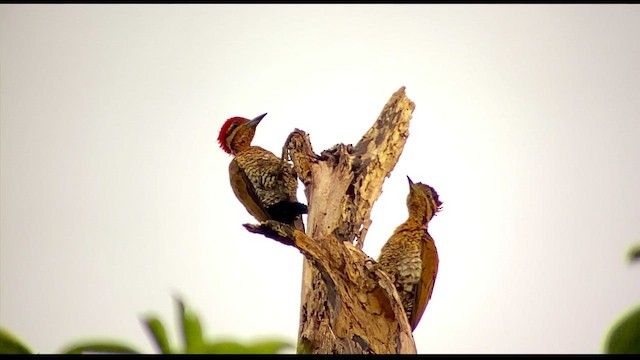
x=114, y=193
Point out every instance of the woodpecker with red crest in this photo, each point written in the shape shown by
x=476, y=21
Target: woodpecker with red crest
x=265, y=184
x=410, y=256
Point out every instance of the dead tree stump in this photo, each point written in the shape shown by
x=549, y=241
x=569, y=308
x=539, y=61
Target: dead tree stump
x=348, y=305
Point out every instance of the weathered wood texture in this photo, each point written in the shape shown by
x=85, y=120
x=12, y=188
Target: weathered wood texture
x=348, y=304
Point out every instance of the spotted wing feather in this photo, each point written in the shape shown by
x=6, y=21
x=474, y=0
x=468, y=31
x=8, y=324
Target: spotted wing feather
x=429, y=255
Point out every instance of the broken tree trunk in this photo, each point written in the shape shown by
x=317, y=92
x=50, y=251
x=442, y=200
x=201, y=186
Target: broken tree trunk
x=348, y=305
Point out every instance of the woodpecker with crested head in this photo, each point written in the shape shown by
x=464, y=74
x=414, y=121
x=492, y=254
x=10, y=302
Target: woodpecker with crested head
x=265, y=184
x=410, y=256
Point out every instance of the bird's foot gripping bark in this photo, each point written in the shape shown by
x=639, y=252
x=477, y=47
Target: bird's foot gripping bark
x=275, y=230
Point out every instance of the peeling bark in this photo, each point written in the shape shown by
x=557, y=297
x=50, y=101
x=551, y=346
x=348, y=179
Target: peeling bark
x=348, y=305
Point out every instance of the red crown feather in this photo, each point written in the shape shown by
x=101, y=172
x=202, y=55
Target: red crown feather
x=222, y=135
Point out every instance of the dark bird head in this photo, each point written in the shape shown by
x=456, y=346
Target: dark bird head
x=423, y=199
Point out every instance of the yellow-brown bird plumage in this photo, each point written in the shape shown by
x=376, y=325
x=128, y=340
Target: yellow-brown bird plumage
x=410, y=256
x=265, y=184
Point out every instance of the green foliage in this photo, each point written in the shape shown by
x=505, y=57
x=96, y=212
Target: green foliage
x=624, y=335
x=258, y=347
x=191, y=332
x=634, y=253
x=9, y=344
x=193, y=341
x=158, y=334
x=192, y=338
x=99, y=347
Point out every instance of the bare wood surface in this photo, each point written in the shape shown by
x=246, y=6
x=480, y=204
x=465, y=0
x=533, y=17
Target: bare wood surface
x=365, y=314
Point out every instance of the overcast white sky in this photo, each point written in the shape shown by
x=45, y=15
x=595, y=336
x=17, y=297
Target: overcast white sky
x=114, y=193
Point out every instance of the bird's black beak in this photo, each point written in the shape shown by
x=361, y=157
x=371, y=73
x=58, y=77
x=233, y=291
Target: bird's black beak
x=410, y=182
x=255, y=121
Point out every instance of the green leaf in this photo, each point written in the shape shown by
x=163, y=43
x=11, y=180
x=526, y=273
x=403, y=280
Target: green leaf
x=225, y=347
x=634, y=253
x=9, y=344
x=234, y=347
x=191, y=329
x=158, y=334
x=269, y=347
x=624, y=336
x=104, y=347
